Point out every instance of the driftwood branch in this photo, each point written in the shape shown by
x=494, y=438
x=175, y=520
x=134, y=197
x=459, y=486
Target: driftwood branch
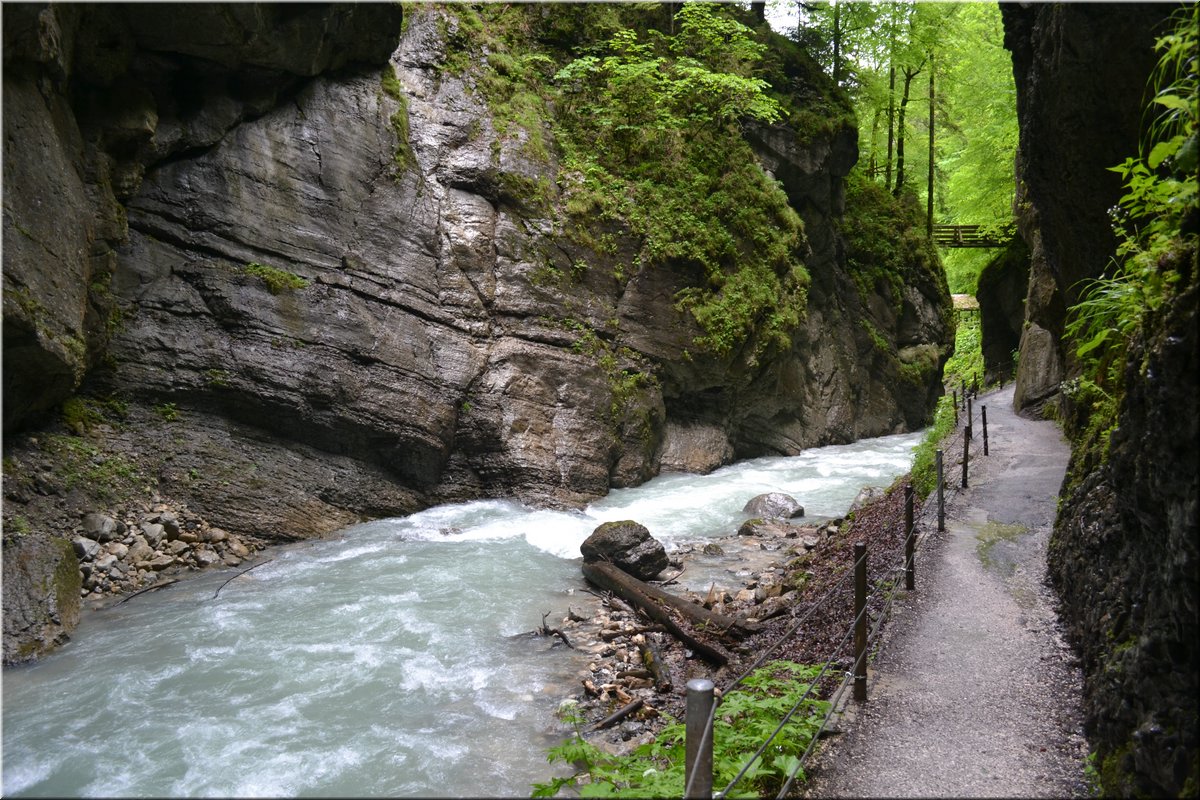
x=240, y=574
x=153, y=588
x=653, y=661
x=548, y=631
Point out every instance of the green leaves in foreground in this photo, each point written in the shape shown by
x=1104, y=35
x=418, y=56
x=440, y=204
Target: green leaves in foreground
x=745, y=719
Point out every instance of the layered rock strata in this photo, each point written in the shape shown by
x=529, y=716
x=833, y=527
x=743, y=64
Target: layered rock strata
x=323, y=287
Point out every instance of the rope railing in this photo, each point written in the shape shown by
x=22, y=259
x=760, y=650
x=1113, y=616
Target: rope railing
x=885, y=590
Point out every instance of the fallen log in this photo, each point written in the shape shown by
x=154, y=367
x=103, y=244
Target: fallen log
x=663, y=607
x=659, y=669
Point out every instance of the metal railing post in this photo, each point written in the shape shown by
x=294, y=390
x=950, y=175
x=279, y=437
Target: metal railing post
x=966, y=452
x=941, y=494
x=698, y=744
x=983, y=417
x=970, y=415
x=955, y=393
x=860, y=622
x=909, y=568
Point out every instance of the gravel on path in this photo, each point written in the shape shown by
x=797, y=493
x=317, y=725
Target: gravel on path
x=974, y=691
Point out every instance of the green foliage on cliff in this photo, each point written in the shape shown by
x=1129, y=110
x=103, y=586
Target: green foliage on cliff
x=651, y=140
x=886, y=243
x=648, y=131
x=277, y=280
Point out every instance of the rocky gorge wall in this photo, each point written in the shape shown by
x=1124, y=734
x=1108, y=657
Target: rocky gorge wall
x=1124, y=553
x=302, y=259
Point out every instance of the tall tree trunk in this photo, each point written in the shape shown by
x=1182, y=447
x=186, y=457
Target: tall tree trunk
x=929, y=200
x=837, y=42
x=909, y=74
x=887, y=184
x=760, y=11
x=873, y=164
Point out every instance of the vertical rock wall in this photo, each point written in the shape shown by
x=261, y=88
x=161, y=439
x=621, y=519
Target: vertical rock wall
x=1124, y=556
x=1080, y=71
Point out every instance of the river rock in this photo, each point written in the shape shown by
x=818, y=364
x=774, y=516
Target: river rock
x=766, y=527
x=118, y=549
x=206, y=556
x=238, y=549
x=774, y=505
x=153, y=532
x=866, y=496
x=161, y=561
x=628, y=545
x=139, y=551
x=105, y=562
x=85, y=548
x=774, y=606
x=100, y=527
x=770, y=584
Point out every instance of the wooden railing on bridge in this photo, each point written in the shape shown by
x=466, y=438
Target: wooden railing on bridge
x=971, y=235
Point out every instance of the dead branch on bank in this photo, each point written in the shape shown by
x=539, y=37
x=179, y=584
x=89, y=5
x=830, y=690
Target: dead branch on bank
x=664, y=608
x=546, y=630
x=153, y=588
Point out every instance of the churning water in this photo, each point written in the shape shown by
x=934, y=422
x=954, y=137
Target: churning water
x=384, y=663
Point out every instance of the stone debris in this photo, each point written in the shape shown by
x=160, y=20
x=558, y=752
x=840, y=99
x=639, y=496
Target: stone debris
x=119, y=555
x=617, y=637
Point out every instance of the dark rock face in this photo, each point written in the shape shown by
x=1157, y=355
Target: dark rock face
x=339, y=285
x=628, y=545
x=1123, y=558
x=774, y=505
x=1002, y=286
x=1079, y=109
x=93, y=95
x=1124, y=551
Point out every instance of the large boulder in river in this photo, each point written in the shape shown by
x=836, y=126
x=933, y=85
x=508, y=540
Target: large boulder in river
x=774, y=505
x=628, y=545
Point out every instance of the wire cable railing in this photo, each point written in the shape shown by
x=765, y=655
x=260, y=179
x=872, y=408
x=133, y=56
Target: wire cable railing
x=884, y=592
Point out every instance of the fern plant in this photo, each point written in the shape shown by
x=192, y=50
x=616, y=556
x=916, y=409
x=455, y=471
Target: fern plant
x=744, y=720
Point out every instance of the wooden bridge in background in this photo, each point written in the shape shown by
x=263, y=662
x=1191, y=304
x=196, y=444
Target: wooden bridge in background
x=972, y=235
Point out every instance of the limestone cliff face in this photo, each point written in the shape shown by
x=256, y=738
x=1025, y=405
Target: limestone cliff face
x=344, y=292
x=1124, y=551
x=1079, y=109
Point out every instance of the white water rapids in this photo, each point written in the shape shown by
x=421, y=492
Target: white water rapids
x=375, y=664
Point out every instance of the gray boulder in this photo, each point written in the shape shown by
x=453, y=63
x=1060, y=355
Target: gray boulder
x=99, y=527
x=866, y=496
x=774, y=505
x=629, y=546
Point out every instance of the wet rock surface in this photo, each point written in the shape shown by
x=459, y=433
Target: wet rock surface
x=628, y=545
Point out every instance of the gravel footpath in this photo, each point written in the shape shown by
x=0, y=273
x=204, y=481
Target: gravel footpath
x=974, y=692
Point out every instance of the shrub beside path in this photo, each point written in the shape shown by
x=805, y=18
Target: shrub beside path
x=975, y=692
